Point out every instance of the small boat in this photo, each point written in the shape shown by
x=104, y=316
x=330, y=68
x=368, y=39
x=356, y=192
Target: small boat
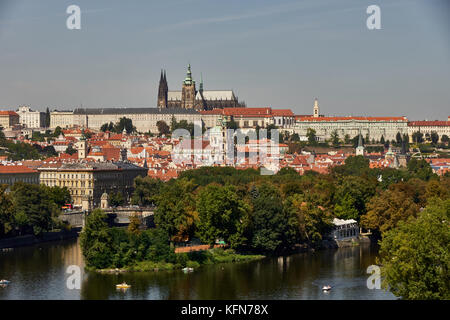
x=123, y=285
x=4, y=282
x=187, y=269
x=326, y=288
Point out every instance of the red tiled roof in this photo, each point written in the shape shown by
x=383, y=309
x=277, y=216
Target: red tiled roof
x=310, y=118
x=8, y=113
x=15, y=169
x=282, y=112
x=429, y=123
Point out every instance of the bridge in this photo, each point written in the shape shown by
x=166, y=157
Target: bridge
x=118, y=216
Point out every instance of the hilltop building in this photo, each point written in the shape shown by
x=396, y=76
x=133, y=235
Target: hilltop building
x=374, y=127
x=191, y=98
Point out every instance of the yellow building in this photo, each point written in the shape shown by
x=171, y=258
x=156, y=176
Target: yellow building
x=91, y=179
x=9, y=119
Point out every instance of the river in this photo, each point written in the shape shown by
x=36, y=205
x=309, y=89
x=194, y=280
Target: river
x=39, y=272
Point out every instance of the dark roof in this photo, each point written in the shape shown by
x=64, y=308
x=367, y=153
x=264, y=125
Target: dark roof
x=134, y=111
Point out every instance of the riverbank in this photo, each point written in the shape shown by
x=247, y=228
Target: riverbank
x=190, y=260
x=30, y=240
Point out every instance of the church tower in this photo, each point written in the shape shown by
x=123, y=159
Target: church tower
x=316, y=108
x=162, y=91
x=188, y=91
x=360, y=147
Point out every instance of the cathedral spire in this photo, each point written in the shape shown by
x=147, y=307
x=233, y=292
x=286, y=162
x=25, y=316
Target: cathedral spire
x=188, y=79
x=201, y=82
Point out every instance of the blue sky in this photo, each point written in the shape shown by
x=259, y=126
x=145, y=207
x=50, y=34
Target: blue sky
x=271, y=53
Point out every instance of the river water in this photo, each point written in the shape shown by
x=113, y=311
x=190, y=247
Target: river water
x=39, y=272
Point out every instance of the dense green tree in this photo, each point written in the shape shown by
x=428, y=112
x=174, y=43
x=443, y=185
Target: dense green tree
x=116, y=199
x=146, y=191
x=124, y=123
x=134, y=225
x=34, y=209
x=57, y=132
x=417, y=137
x=70, y=150
x=269, y=221
x=421, y=169
x=308, y=222
x=311, y=135
x=47, y=118
x=163, y=128
x=347, y=139
x=415, y=255
x=6, y=212
x=95, y=241
x=222, y=215
x=386, y=210
x=107, y=127
x=232, y=125
x=176, y=213
x=335, y=138
x=445, y=138
x=352, y=194
x=398, y=138
x=353, y=165
x=434, y=137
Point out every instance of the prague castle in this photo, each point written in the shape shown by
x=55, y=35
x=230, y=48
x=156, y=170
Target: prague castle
x=191, y=98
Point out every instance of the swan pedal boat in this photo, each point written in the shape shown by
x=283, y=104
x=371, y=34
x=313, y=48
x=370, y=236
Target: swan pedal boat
x=4, y=282
x=326, y=288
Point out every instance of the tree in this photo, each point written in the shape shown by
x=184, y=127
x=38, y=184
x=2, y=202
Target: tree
x=353, y=165
x=386, y=210
x=6, y=212
x=95, y=241
x=70, y=150
x=421, y=169
x=346, y=209
x=311, y=134
x=352, y=194
x=57, y=132
x=445, y=138
x=221, y=213
x=295, y=137
x=417, y=137
x=269, y=221
x=163, y=128
x=398, y=138
x=347, y=139
x=232, y=125
x=176, y=213
x=116, y=199
x=382, y=140
x=415, y=255
x=47, y=118
x=107, y=127
x=434, y=137
x=34, y=209
x=124, y=123
x=134, y=225
x=308, y=222
x=335, y=138
x=146, y=191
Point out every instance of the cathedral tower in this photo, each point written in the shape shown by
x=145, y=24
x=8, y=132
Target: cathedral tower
x=163, y=90
x=188, y=91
